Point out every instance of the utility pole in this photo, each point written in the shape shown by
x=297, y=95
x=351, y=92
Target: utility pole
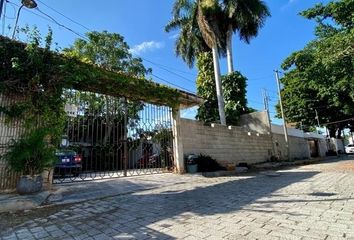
x=2, y=3
x=318, y=121
x=266, y=107
x=283, y=115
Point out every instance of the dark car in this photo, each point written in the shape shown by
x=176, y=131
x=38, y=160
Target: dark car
x=69, y=163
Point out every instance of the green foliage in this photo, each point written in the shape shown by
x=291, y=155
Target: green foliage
x=41, y=109
x=208, y=110
x=21, y=63
x=245, y=17
x=43, y=77
x=321, y=76
x=340, y=12
x=208, y=164
x=189, y=41
x=31, y=154
x=234, y=86
x=109, y=51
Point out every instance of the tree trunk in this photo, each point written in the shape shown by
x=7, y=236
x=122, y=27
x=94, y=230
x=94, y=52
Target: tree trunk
x=219, y=91
x=230, y=64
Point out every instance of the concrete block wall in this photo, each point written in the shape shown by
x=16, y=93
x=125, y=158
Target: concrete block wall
x=322, y=145
x=227, y=146
x=299, y=147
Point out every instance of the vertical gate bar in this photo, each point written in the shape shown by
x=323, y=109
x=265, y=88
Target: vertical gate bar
x=125, y=145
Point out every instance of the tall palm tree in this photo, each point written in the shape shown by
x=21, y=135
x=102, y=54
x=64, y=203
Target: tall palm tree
x=209, y=17
x=189, y=41
x=198, y=24
x=245, y=17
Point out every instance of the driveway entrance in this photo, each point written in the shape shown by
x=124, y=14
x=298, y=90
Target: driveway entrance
x=113, y=137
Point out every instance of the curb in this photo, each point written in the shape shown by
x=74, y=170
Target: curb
x=15, y=202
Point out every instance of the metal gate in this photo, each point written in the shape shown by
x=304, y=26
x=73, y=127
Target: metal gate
x=108, y=137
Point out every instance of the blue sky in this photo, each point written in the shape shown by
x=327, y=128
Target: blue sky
x=142, y=23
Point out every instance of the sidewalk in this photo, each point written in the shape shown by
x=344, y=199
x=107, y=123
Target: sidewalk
x=304, y=202
x=89, y=190
x=75, y=192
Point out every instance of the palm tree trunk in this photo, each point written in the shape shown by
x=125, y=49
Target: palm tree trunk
x=230, y=64
x=219, y=92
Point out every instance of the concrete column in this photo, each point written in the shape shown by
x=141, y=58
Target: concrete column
x=177, y=142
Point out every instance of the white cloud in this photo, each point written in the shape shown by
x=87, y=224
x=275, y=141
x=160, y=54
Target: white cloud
x=288, y=4
x=146, y=46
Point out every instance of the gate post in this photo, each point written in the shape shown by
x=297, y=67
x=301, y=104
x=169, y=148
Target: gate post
x=177, y=142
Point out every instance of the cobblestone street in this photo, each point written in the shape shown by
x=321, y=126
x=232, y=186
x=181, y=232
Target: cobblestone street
x=308, y=202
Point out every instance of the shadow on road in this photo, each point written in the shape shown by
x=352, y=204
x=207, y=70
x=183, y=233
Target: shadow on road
x=132, y=215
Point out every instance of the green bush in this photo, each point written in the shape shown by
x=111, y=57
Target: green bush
x=208, y=164
x=31, y=154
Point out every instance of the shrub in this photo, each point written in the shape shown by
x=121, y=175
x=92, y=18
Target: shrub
x=31, y=154
x=208, y=164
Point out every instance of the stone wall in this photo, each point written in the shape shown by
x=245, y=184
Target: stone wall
x=227, y=146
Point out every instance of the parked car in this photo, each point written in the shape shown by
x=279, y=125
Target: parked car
x=349, y=149
x=69, y=163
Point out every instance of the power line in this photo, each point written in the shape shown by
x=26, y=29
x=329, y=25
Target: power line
x=61, y=25
x=49, y=18
x=175, y=85
x=88, y=29
x=176, y=74
x=70, y=19
x=161, y=65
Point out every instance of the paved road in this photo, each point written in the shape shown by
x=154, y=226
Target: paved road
x=309, y=202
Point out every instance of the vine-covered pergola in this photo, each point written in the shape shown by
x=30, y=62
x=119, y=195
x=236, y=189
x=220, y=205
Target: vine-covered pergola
x=36, y=78
x=21, y=63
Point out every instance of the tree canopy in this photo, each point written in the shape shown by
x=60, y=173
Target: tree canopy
x=320, y=77
x=109, y=51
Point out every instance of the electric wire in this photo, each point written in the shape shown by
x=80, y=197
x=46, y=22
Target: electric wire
x=61, y=25
x=161, y=66
x=176, y=74
x=70, y=19
x=50, y=19
x=77, y=23
x=164, y=80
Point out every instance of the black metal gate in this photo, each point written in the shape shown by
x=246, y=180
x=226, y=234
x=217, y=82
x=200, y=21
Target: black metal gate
x=113, y=137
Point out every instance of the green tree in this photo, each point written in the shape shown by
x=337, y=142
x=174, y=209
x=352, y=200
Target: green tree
x=234, y=86
x=109, y=51
x=244, y=17
x=200, y=18
x=189, y=42
x=208, y=110
x=321, y=76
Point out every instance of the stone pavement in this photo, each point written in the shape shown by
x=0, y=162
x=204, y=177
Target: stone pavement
x=308, y=202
